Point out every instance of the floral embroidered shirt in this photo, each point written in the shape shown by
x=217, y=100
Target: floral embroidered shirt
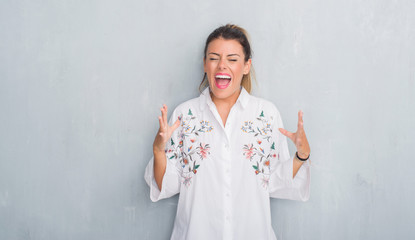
x=225, y=175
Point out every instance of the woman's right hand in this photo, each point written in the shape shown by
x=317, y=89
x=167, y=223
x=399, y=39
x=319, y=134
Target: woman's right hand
x=165, y=131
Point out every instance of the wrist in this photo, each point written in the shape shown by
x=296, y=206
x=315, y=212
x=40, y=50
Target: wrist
x=158, y=151
x=302, y=157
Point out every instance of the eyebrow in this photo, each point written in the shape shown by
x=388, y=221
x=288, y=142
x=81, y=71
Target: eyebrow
x=229, y=55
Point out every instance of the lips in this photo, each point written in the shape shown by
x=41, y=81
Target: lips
x=222, y=80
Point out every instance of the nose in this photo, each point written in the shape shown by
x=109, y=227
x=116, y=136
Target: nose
x=222, y=63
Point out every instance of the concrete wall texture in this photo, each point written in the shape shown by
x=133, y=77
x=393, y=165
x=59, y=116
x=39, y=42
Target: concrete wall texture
x=81, y=83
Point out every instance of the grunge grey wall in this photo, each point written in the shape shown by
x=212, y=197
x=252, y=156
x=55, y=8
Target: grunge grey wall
x=81, y=83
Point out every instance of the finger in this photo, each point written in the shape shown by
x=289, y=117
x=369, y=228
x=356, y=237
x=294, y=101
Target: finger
x=300, y=125
x=175, y=125
x=161, y=123
x=286, y=133
x=300, y=116
x=165, y=114
x=164, y=124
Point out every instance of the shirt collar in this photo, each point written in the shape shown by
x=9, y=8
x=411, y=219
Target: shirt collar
x=205, y=98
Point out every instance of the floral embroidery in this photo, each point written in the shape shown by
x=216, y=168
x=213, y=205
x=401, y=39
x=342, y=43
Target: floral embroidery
x=204, y=150
x=260, y=153
x=249, y=151
x=247, y=127
x=189, y=157
x=261, y=131
x=205, y=126
x=265, y=181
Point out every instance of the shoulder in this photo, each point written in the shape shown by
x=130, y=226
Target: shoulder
x=192, y=105
x=266, y=105
x=268, y=110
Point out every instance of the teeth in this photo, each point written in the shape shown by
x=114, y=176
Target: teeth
x=223, y=76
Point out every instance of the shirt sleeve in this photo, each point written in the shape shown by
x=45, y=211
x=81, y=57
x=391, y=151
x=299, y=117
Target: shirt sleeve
x=171, y=179
x=281, y=183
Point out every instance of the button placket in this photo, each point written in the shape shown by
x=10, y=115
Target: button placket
x=227, y=195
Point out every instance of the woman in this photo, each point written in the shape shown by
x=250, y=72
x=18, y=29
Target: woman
x=226, y=152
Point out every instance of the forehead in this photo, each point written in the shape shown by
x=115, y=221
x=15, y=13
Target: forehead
x=225, y=46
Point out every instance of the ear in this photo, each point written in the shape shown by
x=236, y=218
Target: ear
x=247, y=66
x=204, y=64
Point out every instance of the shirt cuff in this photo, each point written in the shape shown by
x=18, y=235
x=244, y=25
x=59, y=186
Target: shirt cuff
x=301, y=182
x=170, y=184
x=286, y=187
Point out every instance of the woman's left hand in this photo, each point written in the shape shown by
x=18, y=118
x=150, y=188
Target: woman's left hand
x=299, y=138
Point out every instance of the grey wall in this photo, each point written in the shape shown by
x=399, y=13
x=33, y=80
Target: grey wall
x=82, y=82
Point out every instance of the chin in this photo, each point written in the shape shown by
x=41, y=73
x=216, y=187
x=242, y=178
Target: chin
x=223, y=93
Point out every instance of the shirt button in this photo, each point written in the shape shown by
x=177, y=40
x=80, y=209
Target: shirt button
x=227, y=146
x=227, y=170
x=228, y=195
x=227, y=218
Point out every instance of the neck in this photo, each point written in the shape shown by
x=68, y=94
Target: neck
x=224, y=105
x=225, y=102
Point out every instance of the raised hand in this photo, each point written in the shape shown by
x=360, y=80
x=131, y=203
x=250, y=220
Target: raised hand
x=299, y=138
x=165, y=131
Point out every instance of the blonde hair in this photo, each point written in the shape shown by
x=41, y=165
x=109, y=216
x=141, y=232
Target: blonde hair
x=232, y=32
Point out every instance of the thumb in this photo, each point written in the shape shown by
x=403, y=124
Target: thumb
x=175, y=125
x=286, y=133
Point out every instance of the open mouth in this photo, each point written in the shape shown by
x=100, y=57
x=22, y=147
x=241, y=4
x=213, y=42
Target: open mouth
x=222, y=80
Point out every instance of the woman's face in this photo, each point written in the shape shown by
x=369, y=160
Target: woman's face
x=225, y=66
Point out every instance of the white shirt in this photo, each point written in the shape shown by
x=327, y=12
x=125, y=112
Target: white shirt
x=226, y=174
